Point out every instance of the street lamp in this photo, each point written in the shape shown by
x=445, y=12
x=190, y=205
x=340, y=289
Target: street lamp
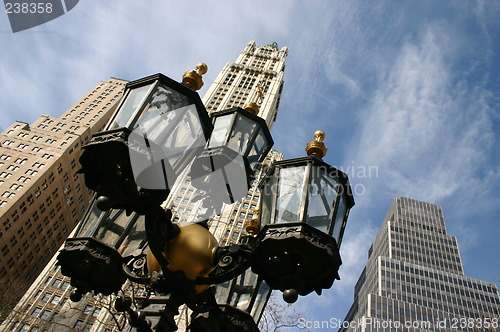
x=225, y=169
x=304, y=207
x=159, y=127
x=160, y=130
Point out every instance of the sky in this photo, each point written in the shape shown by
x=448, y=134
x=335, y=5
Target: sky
x=407, y=92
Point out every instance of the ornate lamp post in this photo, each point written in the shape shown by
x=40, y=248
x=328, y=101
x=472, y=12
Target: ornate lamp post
x=160, y=129
x=156, y=131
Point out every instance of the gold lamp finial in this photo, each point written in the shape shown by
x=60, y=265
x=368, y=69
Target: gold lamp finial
x=193, y=79
x=252, y=107
x=317, y=148
x=252, y=225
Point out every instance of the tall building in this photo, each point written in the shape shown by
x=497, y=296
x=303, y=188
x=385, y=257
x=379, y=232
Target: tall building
x=414, y=279
x=256, y=69
x=42, y=197
x=256, y=76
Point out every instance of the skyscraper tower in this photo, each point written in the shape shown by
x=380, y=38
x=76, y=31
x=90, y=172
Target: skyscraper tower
x=42, y=196
x=256, y=76
x=414, y=279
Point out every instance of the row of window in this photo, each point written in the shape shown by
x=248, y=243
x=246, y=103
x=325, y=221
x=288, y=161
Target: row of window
x=436, y=276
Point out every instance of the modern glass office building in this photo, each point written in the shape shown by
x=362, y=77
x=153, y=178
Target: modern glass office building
x=414, y=279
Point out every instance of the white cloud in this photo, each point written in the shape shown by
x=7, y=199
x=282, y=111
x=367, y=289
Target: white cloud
x=426, y=132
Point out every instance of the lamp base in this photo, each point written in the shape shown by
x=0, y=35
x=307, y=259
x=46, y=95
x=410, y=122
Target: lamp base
x=92, y=266
x=296, y=256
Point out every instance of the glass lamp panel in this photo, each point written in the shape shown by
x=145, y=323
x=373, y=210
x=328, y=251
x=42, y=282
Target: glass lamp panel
x=241, y=134
x=136, y=238
x=164, y=100
x=130, y=106
x=171, y=138
x=257, y=148
x=221, y=129
x=91, y=219
x=290, y=189
x=322, y=197
x=267, y=194
x=263, y=293
x=111, y=227
x=339, y=219
x=222, y=292
x=242, y=290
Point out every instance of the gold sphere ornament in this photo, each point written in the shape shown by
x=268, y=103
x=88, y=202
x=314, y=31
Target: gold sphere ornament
x=201, y=68
x=192, y=252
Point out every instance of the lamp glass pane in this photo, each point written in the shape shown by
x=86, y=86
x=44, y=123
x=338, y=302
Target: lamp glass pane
x=136, y=238
x=222, y=292
x=164, y=100
x=87, y=226
x=241, y=134
x=322, y=197
x=111, y=227
x=267, y=193
x=339, y=219
x=258, y=147
x=263, y=292
x=130, y=106
x=221, y=129
x=167, y=136
x=290, y=189
x=243, y=289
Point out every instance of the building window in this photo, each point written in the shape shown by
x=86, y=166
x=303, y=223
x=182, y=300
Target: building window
x=46, y=297
x=36, y=312
x=55, y=299
x=31, y=172
x=8, y=194
x=78, y=324
x=16, y=187
x=45, y=314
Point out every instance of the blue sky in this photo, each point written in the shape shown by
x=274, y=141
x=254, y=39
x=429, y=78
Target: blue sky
x=410, y=88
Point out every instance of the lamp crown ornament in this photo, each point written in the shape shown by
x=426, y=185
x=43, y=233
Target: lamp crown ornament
x=317, y=148
x=193, y=79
